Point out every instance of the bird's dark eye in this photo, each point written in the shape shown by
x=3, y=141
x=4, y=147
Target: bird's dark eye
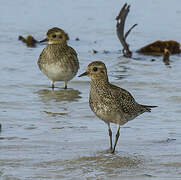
x=54, y=36
x=60, y=37
x=95, y=69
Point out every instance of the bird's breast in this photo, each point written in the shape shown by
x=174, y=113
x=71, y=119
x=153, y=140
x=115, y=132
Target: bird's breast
x=103, y=111
x=58, y=71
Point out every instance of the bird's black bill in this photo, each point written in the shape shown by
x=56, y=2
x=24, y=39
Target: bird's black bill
x=44, y=40
x=83, y=74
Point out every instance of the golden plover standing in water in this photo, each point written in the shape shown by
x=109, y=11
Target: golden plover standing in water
x=58, y=61
x=110, y=103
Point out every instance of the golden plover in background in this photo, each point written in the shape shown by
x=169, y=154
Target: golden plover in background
x=110, y=103
x=58, y=61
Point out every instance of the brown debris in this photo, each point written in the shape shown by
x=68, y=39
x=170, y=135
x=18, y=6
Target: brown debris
x=77, y=39
x=94, y=51
x=121, y=18
x=157, y=48
x=166, y=56
x=30, y=40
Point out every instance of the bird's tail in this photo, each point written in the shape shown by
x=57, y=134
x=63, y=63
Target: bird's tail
x=148, y=108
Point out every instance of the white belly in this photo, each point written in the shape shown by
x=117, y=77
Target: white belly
x=108, y=115
x=56, y=73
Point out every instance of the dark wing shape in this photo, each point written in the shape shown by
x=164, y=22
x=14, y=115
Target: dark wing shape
x=41, y=58
x=125, y=100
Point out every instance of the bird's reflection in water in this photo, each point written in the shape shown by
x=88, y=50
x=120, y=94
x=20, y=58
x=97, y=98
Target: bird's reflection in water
x=59, y=95
x=56, y=102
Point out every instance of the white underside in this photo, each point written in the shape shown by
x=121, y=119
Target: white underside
x=55, y=73
x=107, y=115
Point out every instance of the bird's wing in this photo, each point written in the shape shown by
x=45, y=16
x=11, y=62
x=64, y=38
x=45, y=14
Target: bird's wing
x=124, y=100
x=72, y=51
x=41, y=58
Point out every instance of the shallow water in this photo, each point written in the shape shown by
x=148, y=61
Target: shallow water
x=53, y=134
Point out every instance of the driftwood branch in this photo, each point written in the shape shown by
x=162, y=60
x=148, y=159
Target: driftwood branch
x=121, y=18
x=127, y=33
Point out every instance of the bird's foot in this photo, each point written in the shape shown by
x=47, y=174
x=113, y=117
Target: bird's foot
x=52, y=84
x=111, y=150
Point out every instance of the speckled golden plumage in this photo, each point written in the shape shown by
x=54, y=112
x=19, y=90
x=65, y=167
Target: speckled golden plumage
x=110, y=103
x=58, y=60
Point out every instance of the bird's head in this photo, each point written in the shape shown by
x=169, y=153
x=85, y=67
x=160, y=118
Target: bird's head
x=57, y=36
x=96, y=71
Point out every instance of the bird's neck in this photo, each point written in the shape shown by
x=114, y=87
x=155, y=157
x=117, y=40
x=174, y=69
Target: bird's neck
x=97, y=83
x=57, y=43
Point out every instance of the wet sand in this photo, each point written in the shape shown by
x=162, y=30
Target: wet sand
x=53, y=134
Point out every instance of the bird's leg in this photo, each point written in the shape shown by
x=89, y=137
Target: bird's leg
x=65, y=85
x=52, y=85
x=110, y=136
x=117, y=137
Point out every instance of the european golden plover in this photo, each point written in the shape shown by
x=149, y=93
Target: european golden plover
x=110, y=103
x=58, y=61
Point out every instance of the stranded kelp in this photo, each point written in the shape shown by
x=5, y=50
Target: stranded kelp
x=30, y=41
x=158, y=48
x=166, y=56
x=161, y=48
